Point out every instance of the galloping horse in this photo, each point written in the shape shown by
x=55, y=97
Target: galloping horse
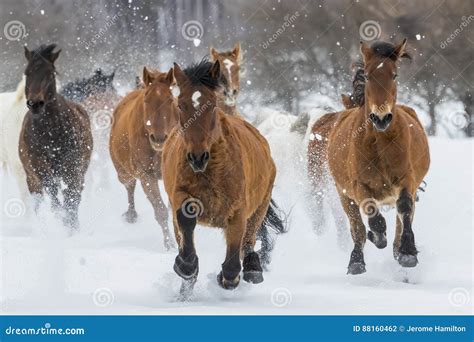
x=142, y=121
x=55, y=140
x=377, y=154
x=218, y=171
x=231, y=61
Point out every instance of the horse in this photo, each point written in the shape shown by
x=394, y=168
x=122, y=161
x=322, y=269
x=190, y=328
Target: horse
x=217, y=171
x=12, y=111
x=99, y=97
x=377, y=154
x=142, y=121
x=55, y=139
x=289, y=135
x=232, y=61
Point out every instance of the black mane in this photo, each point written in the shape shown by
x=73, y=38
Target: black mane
x=43, y=52
x=81, y=89
x=386, y=50
x=200, y=74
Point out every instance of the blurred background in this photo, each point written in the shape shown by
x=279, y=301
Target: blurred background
x=297, y=54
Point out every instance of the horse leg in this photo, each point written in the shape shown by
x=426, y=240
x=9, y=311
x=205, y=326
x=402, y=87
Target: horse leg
x=72, y=198
x=358, y=232
x=131, y=214
x=229, y=277
x=186, y=264
x=35, y=188
x=405, y=253
x=378, y=228
x=252, y=268
x=152, y=191
x=52, y=188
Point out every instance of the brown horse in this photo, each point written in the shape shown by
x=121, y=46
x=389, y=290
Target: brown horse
x=217, y=171
x=231, y=61
x=142, y=121
x=55, y=140
x=377, y=154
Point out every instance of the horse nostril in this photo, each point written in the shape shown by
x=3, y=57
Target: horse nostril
x=373, y=117
x=152, y=138
x=190, y=157
x=40, y=103
x=235, y=92
x=206, y=156
x=388, y=118
x=29, y=103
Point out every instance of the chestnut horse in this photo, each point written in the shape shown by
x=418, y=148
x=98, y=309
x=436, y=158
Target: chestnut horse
x=218, y=171
x=55, y=140
x=231, y=61
x=378, y=154
x=142, y=121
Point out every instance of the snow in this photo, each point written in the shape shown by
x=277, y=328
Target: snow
x=111, y=267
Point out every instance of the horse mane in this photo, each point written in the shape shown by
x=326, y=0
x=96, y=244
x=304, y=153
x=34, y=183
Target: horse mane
x=380, y=49
x=200, y=74
x=79, y=90
x=42, y=52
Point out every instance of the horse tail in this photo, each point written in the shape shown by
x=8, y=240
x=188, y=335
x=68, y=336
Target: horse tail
x=274, y=222
x=300, y=126
x=20, y=90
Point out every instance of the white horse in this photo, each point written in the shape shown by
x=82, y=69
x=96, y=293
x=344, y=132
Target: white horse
x=288, y=136
x=12, y=111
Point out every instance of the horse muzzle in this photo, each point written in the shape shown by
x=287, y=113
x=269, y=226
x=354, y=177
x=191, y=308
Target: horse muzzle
x=230, y=97
x=36, y=106
x=157, y=143
x=381, y=124
x=198, y=162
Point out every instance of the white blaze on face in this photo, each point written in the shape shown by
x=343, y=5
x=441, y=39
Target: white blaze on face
x=148, y=123
x=228, y=64
x=195, y=97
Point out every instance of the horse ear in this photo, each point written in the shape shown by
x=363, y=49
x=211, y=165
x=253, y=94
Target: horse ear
x=236, y=50
x=179, y=74
x=54, y=56
x=347, y=102
x=27, y=53
x=400, y=49
x=148, y=77
x=170, y=77
x=216, y=70
x=365, y=50
x=214, y=53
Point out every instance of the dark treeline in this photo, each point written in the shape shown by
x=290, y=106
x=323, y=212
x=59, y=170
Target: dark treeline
x=293, y=49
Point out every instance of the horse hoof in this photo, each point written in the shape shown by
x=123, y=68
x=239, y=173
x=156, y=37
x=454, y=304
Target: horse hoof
x=378, y=239
x=186, y=269
x=130, y=216
x=407, y=260
x=356, y=268
x=253, y=277
x=227, y=284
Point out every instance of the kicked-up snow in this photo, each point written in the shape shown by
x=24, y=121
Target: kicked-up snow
x=112, y=267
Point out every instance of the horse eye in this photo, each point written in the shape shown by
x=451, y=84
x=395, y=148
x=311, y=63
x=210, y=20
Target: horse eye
x=395, y=76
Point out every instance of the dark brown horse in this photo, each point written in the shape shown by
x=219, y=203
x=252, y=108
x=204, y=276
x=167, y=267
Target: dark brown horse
x=377, y=153
x=55, y=140
x=230, y=60
x=142, y=121
x=217, y=171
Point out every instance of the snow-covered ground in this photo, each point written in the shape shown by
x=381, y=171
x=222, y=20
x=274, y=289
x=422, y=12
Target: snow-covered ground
x=111, y=267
